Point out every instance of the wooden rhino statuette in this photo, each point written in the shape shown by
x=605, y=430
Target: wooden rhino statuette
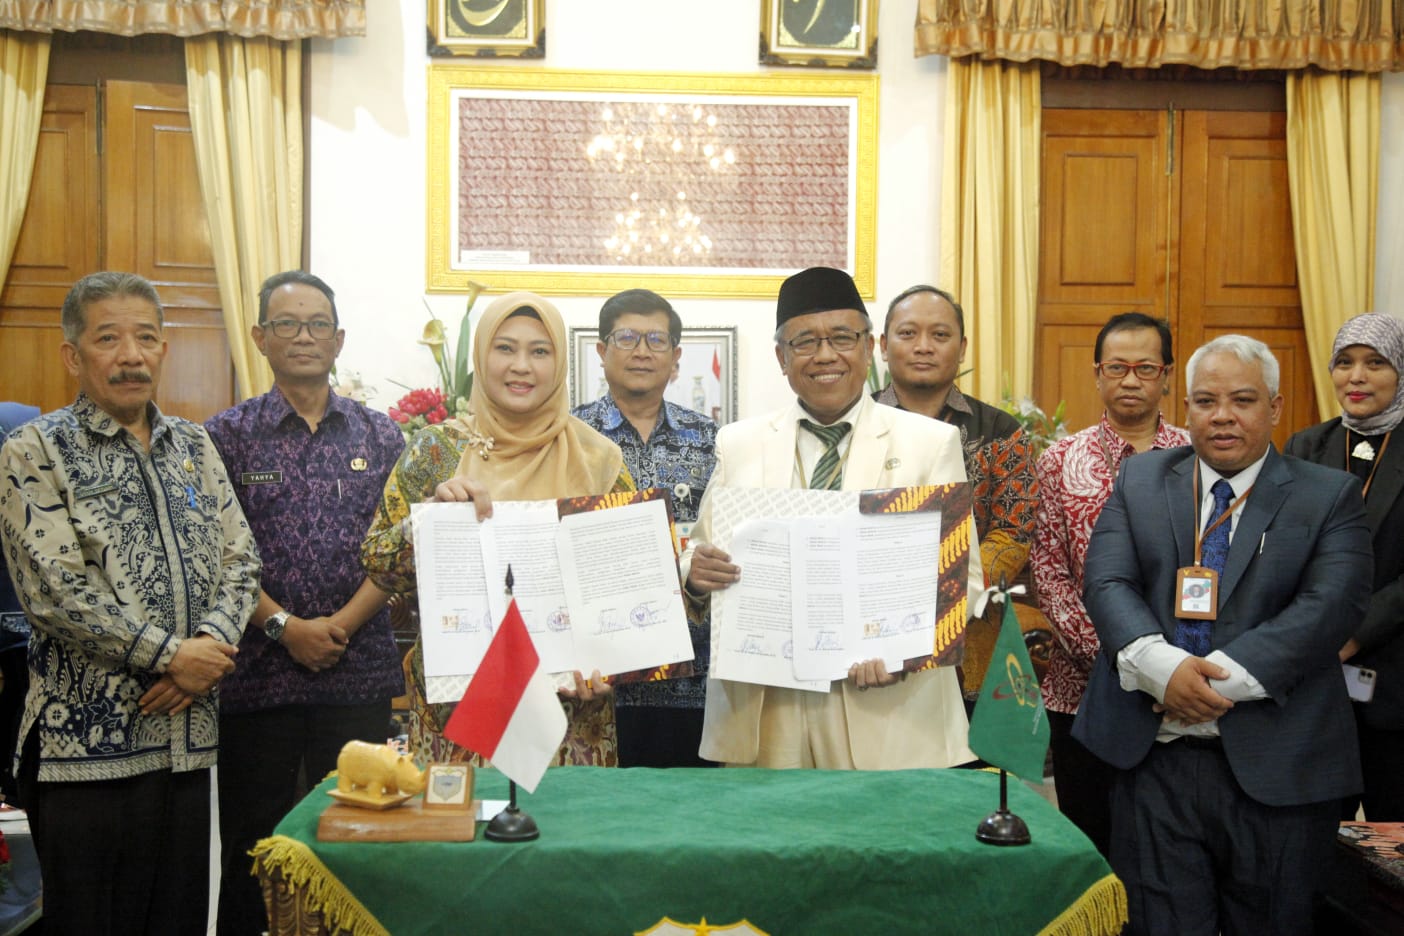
x=376, y=770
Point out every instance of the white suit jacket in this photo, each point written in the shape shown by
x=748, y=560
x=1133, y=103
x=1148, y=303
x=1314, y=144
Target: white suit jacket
x=917, y=723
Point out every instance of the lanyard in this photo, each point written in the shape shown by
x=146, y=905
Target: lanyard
x=1379, y=457
x=1199, y=537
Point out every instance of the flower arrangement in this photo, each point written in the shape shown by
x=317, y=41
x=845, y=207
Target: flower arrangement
x=1043, y=429
x=429, y=406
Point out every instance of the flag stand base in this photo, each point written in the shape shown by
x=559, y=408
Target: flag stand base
x=1002, y=827
x=999, y=828
x=512, y=825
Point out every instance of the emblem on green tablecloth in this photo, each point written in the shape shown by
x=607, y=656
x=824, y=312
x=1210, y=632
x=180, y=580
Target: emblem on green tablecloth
x=671, y=927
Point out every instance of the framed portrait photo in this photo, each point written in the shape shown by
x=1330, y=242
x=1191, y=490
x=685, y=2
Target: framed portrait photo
x=704, y=380
x=833, y=33
x=587, y=183
x=448, y=786
x=487, y=28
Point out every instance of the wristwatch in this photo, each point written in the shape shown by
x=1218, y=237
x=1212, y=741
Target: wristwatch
x=273, y=627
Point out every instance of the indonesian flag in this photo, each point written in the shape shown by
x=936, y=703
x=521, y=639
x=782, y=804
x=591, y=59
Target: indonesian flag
x=509, y=712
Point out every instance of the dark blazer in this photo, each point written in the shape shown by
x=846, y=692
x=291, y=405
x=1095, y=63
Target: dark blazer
x=1296, y=583
x=1381, y=632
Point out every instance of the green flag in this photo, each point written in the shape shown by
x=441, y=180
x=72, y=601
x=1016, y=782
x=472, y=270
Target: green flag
x=1009, y=728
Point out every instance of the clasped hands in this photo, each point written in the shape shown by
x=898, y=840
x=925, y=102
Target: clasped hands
x=712, y=570
x=198, y=664
x=1189, y=699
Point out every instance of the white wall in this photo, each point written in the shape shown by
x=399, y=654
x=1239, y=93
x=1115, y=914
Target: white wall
x=367, y=168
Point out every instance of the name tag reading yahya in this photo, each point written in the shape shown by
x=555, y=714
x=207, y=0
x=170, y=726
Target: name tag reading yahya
x=261, y=477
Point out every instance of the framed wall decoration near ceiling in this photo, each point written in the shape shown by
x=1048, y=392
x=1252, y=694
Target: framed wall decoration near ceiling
x=487, y=28
x=587, y=183
x=834, y=33
x=705, y=380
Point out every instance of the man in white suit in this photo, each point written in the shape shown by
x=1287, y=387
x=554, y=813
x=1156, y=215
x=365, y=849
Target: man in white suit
x=824, y=343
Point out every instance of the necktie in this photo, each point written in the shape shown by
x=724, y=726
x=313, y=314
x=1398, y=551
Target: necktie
x=1193, y=635
x=828, y=473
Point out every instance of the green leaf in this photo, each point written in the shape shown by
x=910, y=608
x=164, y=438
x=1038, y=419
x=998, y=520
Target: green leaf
x=463, y=359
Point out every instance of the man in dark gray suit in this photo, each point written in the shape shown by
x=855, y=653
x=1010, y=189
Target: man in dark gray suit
x=1222, y=580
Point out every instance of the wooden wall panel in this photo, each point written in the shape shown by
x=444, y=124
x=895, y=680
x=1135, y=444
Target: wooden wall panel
x=1103, y=241
x=59, y=237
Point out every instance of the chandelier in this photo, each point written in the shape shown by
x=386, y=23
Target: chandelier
x=660, y=152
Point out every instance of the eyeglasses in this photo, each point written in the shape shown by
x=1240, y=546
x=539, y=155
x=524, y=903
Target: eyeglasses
x=1145, y=370
x=840, y=341
x=626, y=339
x=320, y=329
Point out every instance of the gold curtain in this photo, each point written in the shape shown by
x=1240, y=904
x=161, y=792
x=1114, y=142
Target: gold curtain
x=1341, y=35
x=277, y=19
x=1333, y=168
x=989, y=217
x=24, y=69
x=246, y=119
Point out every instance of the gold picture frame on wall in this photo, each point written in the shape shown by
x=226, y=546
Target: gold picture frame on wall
x=588, y=183
x=487, y=28
x=823, y=33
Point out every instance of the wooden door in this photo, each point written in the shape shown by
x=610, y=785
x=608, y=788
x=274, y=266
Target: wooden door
x=1239, y=268
x=156, y=226
x=115, y=187
x=1105, y=242
x=1183, y=215
x=58, y=244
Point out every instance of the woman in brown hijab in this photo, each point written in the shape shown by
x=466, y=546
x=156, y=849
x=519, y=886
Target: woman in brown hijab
x=518, y=442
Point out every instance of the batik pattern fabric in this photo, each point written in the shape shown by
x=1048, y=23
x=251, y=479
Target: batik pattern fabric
x=679, y=456
x=1075, y=477
x=118, y=555
x=387, y=554
x=999, y=461
x=309, y=498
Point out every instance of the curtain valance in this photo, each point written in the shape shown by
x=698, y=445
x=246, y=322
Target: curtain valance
x=275, y=19
x=1334, y=35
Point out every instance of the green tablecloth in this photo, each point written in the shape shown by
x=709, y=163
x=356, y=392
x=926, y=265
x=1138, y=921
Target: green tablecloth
x=802, y=851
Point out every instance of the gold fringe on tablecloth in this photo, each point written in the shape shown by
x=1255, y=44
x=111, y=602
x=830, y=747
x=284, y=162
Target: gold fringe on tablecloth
x=321, y=889
x=1101, y=910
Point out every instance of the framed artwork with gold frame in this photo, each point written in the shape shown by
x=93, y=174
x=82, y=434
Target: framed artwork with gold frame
x=692, y=185
x=824, y=33
x=487, y=28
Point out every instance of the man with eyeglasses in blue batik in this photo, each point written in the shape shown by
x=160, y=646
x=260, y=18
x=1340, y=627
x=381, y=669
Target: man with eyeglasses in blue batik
x=667, y=446
x=318, y=664
x=1134, y=361
x=833, y=437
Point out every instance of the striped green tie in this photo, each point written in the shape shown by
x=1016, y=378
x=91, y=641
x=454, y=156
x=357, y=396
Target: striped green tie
x=828, y=473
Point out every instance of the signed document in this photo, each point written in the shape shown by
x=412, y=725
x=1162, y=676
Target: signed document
x=522, y=534
x=756, y=643
x=621, y=582
x=455, y=616
x=823, y=586
x=597, y=589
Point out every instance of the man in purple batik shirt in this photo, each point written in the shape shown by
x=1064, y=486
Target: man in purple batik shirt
x=317, y=666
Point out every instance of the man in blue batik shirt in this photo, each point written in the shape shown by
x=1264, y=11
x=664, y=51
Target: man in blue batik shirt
x=318, y=664
x=667, y=446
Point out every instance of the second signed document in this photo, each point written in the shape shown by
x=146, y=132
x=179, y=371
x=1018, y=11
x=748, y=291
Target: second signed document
x=597, y=588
